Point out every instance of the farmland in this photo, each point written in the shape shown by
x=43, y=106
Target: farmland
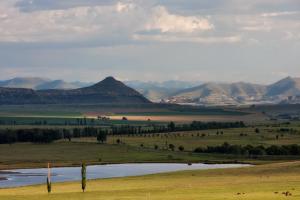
x=168, y=145
x=270, y=181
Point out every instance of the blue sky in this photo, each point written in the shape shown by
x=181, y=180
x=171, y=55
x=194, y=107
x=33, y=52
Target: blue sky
x=199, y=40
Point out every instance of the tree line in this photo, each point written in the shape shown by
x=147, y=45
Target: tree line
x=226, y=148
x=39, y=135
x=172, y=127
x=47, y=135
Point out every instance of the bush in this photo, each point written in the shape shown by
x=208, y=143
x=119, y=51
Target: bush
x=181, y=148
x=172, y=147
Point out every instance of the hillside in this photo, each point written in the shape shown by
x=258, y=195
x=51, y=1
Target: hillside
x=156, y=91
x=37, y=83
x=285, y=87
x=56, y=84
x=240, y=93
x=20, y=82
x=107, y=91
x=220, y=93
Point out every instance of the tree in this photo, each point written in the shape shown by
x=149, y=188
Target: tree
x=102, y=137
x=49, y=179
x=172, y=147
x=83, y=177
x=171, y=126
x=118, y=141
x=257, y=130
x=181, y=148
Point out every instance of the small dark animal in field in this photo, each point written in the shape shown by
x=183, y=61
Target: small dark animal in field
x=287, y=193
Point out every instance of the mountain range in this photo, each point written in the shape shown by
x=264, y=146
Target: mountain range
x=156, y=91
x=39, y=90
x=107, y=91
x=37, y=83
x=239, y=93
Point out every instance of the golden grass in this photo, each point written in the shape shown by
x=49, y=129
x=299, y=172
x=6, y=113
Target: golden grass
x=189, y=118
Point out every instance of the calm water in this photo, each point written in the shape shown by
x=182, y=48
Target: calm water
x=23, y=177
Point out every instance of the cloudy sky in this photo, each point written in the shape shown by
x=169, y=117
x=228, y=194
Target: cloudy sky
x=199, y=40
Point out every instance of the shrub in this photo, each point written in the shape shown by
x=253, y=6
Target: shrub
x=181, y=148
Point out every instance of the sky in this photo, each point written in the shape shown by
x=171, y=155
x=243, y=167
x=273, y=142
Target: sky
x=150, y=40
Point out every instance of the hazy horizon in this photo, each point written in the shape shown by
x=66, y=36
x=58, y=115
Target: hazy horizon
x=154, y=40
x=145, y=81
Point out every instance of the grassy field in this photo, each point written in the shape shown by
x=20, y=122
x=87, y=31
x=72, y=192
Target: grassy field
x=64, y=153
x=267, y=182
x=193, y=139
x=155, y=112
x=25, y=155
x=167, y=117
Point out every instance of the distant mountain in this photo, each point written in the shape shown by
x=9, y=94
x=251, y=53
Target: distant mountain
x=220, y=93
x=110, y=90
x=57, y=84
x=239, y=93
x=107, y=91
x=37, y=83
x=30, y=82
x=285, y=87
x=156, y=91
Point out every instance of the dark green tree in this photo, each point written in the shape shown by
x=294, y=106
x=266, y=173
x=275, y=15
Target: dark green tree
x=48, y=185
x=83, y=176
x=102, y=137
x=171, y=126
x=172, y=147
x=181, y=148
x=257, y=130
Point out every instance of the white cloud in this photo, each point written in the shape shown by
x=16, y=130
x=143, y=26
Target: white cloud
x=166, y=22
x=191, y=39
x=128, y=19
x=124, y=7
x=66, y=25
x=277, y=14
x=85, y=23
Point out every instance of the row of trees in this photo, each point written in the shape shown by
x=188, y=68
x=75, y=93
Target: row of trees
x=251, y=150
x=38, y=135
x=43, y=135
x=172, y=127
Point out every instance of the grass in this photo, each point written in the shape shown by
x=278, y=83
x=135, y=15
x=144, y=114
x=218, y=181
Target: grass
x=266, y=182
x=63, y=153
x=156, y=112
x=193, y=139
x=25, y=155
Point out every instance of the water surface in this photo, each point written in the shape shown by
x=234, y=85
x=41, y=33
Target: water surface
x=25, y=177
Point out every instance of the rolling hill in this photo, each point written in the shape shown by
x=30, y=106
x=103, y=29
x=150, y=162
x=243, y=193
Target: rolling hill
x=107, y=91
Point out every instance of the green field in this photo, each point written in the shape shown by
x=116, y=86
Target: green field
x=239, y=136
x=68, y=154
x=272, y=175
x=65, y=153
x=267, y=182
